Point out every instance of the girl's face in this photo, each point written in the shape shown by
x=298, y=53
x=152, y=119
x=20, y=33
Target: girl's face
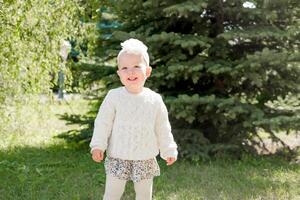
x=133, y=71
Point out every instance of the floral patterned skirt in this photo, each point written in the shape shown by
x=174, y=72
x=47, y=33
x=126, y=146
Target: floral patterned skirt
x=135, y=170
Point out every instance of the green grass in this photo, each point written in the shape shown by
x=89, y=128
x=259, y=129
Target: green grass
x=34, y=164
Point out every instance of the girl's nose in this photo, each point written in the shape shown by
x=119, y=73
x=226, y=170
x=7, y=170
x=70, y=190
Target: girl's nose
x=132, y=71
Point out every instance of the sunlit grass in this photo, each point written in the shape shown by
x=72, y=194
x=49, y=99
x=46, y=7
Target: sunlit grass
x=35, y=164
x=37, y=123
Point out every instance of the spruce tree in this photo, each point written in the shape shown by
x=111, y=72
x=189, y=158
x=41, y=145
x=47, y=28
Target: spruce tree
x=222, y=67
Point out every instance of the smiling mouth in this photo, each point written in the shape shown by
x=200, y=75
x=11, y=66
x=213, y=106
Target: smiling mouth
x=132, y=79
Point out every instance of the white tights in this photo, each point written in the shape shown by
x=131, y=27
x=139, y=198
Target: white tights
x=114, y=188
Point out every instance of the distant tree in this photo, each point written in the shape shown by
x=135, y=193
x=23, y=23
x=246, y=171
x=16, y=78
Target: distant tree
x=222, y=66
x=31, y=33
x=30, y=38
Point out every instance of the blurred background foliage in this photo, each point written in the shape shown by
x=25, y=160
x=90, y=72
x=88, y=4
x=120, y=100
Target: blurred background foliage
x=31, y=34
x=227, y=70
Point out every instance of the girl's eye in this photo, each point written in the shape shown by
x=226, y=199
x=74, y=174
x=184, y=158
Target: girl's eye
x=137, y=66
x=124, y=68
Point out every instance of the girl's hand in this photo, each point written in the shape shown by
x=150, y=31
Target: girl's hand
x=170, y=160
x=97, y=155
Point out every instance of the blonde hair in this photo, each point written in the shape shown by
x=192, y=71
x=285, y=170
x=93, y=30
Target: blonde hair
x=134, y=46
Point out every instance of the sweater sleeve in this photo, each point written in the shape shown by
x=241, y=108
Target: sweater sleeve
x=167, y=145
x=103, y=124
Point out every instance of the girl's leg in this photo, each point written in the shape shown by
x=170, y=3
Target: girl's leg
x=143, y=189
x=114, y=188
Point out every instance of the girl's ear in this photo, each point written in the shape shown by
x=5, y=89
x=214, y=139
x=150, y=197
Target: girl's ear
x=148, y=71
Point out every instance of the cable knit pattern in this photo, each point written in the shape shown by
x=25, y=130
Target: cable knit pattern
x=133, y=126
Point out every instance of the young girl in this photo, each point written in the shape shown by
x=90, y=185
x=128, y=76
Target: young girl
x=132, y=125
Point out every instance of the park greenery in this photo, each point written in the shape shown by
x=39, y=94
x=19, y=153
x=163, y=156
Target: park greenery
x=228, y=71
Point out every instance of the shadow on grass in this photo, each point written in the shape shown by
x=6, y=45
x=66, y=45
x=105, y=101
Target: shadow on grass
x=53, y=172
x=191, y=142
x=80, y=136
x=59, y=172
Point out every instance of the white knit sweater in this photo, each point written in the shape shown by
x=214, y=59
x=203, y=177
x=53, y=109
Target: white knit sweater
x=133, y=126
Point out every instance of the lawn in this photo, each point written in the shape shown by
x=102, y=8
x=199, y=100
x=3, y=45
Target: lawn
x=35, y=164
